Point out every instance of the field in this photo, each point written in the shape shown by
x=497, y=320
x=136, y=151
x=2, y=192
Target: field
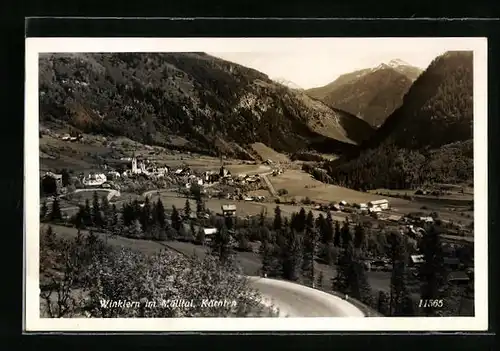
x=243, y=208
x=266, y=153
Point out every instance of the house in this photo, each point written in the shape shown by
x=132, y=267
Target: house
x=375, y=209
x=382, y=204
x=229, y=210
x=343, y=203
x=417, y=259
x=394, y=218
x=426, y=219
x=94, y=179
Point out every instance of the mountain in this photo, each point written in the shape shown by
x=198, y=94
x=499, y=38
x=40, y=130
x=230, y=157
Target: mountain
x=372, y=94
x=428, y=139
x=216, y=105
x=288, y=83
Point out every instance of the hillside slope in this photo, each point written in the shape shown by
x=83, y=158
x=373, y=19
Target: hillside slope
x=428, y=139
x=216, y=105
x=371, y=94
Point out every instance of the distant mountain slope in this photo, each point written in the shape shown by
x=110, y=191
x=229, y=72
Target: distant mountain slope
x=215, y=104
x=428, y=139
x=372, y=94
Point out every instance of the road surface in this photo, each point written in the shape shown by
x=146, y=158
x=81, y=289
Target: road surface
x=294, y=300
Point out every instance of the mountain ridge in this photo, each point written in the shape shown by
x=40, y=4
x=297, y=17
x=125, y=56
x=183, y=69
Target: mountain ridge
x=211, y=102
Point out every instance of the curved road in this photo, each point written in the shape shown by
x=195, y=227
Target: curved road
x=294, y=300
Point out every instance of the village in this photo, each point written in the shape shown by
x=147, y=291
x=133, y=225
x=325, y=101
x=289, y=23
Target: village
x=229, y=195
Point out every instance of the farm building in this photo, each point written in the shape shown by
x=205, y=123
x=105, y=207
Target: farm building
x=417, y=259
x=394, y=218
x=426, y=219
x=229, y=210
x=382, y=204
x=209, y=233
x=94, y=179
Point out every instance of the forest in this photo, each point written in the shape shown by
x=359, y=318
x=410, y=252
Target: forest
x=288, y=249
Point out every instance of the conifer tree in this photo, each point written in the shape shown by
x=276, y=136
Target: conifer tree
x=291, y=255
x=336, y=238
x=432, y=271
x=145, y=217
x=309, y=247
x=200, y=207
x=345, y=235
x=320, y=283
x=96, y=211
x=187, y=209
x=359, y=236
x=159, y=214
x=44, y=210
x=114, y=215
x=106, y=210
x=278, y=222
x=87, y=214
x=329, y=229
x=383, y=303
x=55, y=213
x=200, y=236
x=221, y=244
x=176, y=219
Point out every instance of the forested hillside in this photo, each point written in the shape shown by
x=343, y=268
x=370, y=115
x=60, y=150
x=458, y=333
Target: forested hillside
x=214, y=104
x=428, y=139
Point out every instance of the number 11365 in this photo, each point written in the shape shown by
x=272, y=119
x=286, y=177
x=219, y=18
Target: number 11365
x=430, y=303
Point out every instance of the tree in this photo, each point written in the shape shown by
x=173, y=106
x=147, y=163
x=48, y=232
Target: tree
x=221, y=244
x=432, y=271
x=106, y=211
x=291, y=253
x=336, y=238
x=200, y=237
x=309, y=247
x=399, y=301
x=55, y=213
x=320, y=283
x=243, y=243
x=43, y=211
x=359, y=236
x=383, y=303
x=200, y=207
x=329, y=231
x=176, y=219
x=159, y=214
x=187, y=209
x=278, y=221
x=114, y=216
x=50, y=237
x=135, y=230
x=345, y=235
x=96, y=211
x=145, y=216
x=65, y=178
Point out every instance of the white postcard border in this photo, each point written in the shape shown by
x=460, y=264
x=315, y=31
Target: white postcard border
x=33, y=322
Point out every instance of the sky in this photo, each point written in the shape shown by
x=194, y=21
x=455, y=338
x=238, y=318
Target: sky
x=313, y=69
x=316, y=62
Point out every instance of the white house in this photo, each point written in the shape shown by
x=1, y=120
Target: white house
x=383, y=204
x=94, y=179
x=427, y=219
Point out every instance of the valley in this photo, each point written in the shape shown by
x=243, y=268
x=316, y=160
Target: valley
x=195, y=154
